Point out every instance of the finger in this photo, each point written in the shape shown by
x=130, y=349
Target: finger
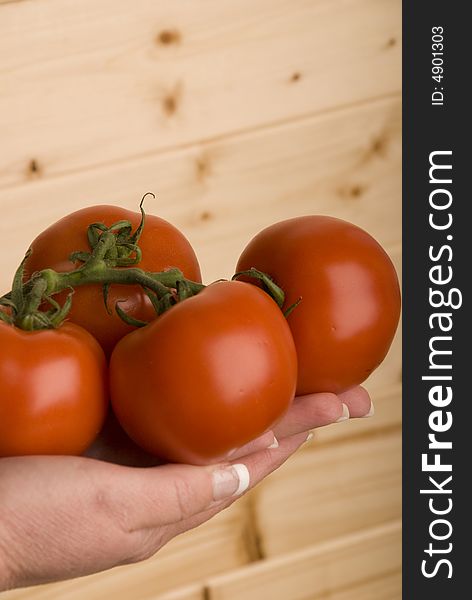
x=262, y=463
x=317, y=410
x=358, y=402
x=169, y=494
x=259, y=465
x=309, y=412
x=159, y=496
x=266, y=440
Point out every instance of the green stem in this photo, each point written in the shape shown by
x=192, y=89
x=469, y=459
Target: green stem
x=98, y=273
x=48, y=282
x=112, y=248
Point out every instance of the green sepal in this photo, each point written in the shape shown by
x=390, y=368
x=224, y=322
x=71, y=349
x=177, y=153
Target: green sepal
x=5, y=301
x=162, y=304
x=292, y=307
x=105, y=290
x=61, y=313
x=137, y=234
x=153, y=297
x=17, y=292
x=268, y=283
x=183, y=290
x=129, y=320
x=92, y=234
x=4, y=318
x=79, y=256
x=35, y=321
x=166, y=302
x=121, y=229
x=56, y=306
x=123, y=259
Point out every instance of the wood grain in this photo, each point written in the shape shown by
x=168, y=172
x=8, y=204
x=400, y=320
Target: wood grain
x=317, y=572
x=192, y=592
x=384, y=587
x=88, y=83
x=331, y=490
x=387, y=587
x=220, y=194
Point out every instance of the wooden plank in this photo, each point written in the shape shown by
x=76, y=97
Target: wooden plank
x=329, y=490
x=388, y=587
x=88, y=83
x=318, y=571
x=220, y=194
x=192, y=592
x=215, y=547
x=385, y=587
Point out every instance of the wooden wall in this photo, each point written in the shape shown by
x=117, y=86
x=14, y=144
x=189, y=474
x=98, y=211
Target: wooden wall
x=236, y=114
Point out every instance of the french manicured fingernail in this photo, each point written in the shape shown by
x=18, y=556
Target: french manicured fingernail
x=371, y=411
x=309, y=437
x=275, y=444
x=345, y=416
x=230, y=481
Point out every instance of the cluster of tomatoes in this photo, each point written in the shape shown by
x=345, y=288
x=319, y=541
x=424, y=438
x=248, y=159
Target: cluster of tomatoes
x=215, y=370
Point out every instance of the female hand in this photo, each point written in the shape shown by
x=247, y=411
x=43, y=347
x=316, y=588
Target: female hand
x=63, y=517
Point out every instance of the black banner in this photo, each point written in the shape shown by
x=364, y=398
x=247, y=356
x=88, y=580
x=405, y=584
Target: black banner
x=436, y=291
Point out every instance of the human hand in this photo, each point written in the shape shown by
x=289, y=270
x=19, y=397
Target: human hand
x=92, y=515
x=63, y=516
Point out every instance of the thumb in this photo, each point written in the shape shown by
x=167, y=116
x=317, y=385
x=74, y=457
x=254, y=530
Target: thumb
x=172, y=493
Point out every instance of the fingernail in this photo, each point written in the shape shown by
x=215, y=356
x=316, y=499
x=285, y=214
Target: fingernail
x=230, y=481
x=345, y=414
x=309, y=437
x=371, y=411
x=275, y=444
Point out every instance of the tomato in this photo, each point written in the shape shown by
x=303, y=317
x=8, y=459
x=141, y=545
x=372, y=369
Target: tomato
x=209, y=375
x=53, y=396
x=162, y=246
x=346, y=320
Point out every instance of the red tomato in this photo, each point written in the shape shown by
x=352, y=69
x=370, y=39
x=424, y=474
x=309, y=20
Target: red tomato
x=162, y=245
x=350, y=305
x=209, y=375
x=53, y=397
